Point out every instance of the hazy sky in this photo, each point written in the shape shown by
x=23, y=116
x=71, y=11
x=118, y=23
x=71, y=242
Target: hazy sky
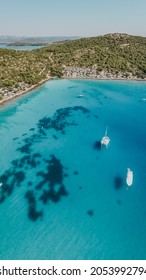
x=72, y=17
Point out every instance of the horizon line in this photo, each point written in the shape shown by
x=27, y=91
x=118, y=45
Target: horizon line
x=77, y=36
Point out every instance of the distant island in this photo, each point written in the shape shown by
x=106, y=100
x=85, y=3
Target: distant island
x=112, y=56
x=20, y=44
x=31, y=41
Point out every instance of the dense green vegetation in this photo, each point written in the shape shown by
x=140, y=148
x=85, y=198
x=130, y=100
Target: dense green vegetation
x=18, y=67
x=114, y=53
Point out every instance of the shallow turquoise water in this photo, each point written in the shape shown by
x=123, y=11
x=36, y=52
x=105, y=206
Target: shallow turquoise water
x=62, y=197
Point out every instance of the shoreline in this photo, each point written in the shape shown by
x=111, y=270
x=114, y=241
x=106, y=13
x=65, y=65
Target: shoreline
x=22, y=92
x=106, y=79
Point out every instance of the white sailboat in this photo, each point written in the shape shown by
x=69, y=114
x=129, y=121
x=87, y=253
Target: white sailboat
x=129, y=177
x=105, y=140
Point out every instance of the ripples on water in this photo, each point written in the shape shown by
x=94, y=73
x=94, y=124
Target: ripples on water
x=56, y=175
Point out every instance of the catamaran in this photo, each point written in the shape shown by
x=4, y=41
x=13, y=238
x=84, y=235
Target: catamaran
x=129, y=178
x=105, y=140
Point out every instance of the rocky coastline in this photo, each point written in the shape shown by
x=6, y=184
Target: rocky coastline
x=7, y=95
x=69, y=72
x=93, y=73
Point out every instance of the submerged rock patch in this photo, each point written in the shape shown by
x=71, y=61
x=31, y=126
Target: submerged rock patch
x=53, y=177
x=51, y=186
x=59, y=120
x=33, y=214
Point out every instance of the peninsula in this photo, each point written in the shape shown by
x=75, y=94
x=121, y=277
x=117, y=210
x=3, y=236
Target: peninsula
x=112, y=56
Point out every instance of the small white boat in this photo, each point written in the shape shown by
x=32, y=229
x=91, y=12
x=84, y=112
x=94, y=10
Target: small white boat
x=129, y=178
x=1, y=184
x=81, y=95
x=105, y=140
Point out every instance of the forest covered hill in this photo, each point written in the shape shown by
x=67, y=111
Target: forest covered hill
x=109, y=56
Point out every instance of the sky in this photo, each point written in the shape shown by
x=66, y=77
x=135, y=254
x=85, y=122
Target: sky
x=83, y=18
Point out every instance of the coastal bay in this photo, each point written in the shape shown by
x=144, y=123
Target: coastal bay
x=113, y=57
x=63, y=196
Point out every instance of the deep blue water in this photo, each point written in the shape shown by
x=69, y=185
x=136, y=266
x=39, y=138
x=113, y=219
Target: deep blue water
x=62, y=195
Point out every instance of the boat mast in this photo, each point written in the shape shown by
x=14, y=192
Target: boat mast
x=106, y=131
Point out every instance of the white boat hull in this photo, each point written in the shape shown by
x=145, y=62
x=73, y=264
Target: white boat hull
x=105, y=140
x=129, y=178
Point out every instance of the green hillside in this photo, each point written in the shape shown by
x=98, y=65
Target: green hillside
x=115, y=54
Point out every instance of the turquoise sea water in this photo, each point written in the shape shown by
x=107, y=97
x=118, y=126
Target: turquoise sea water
x=62, y=195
